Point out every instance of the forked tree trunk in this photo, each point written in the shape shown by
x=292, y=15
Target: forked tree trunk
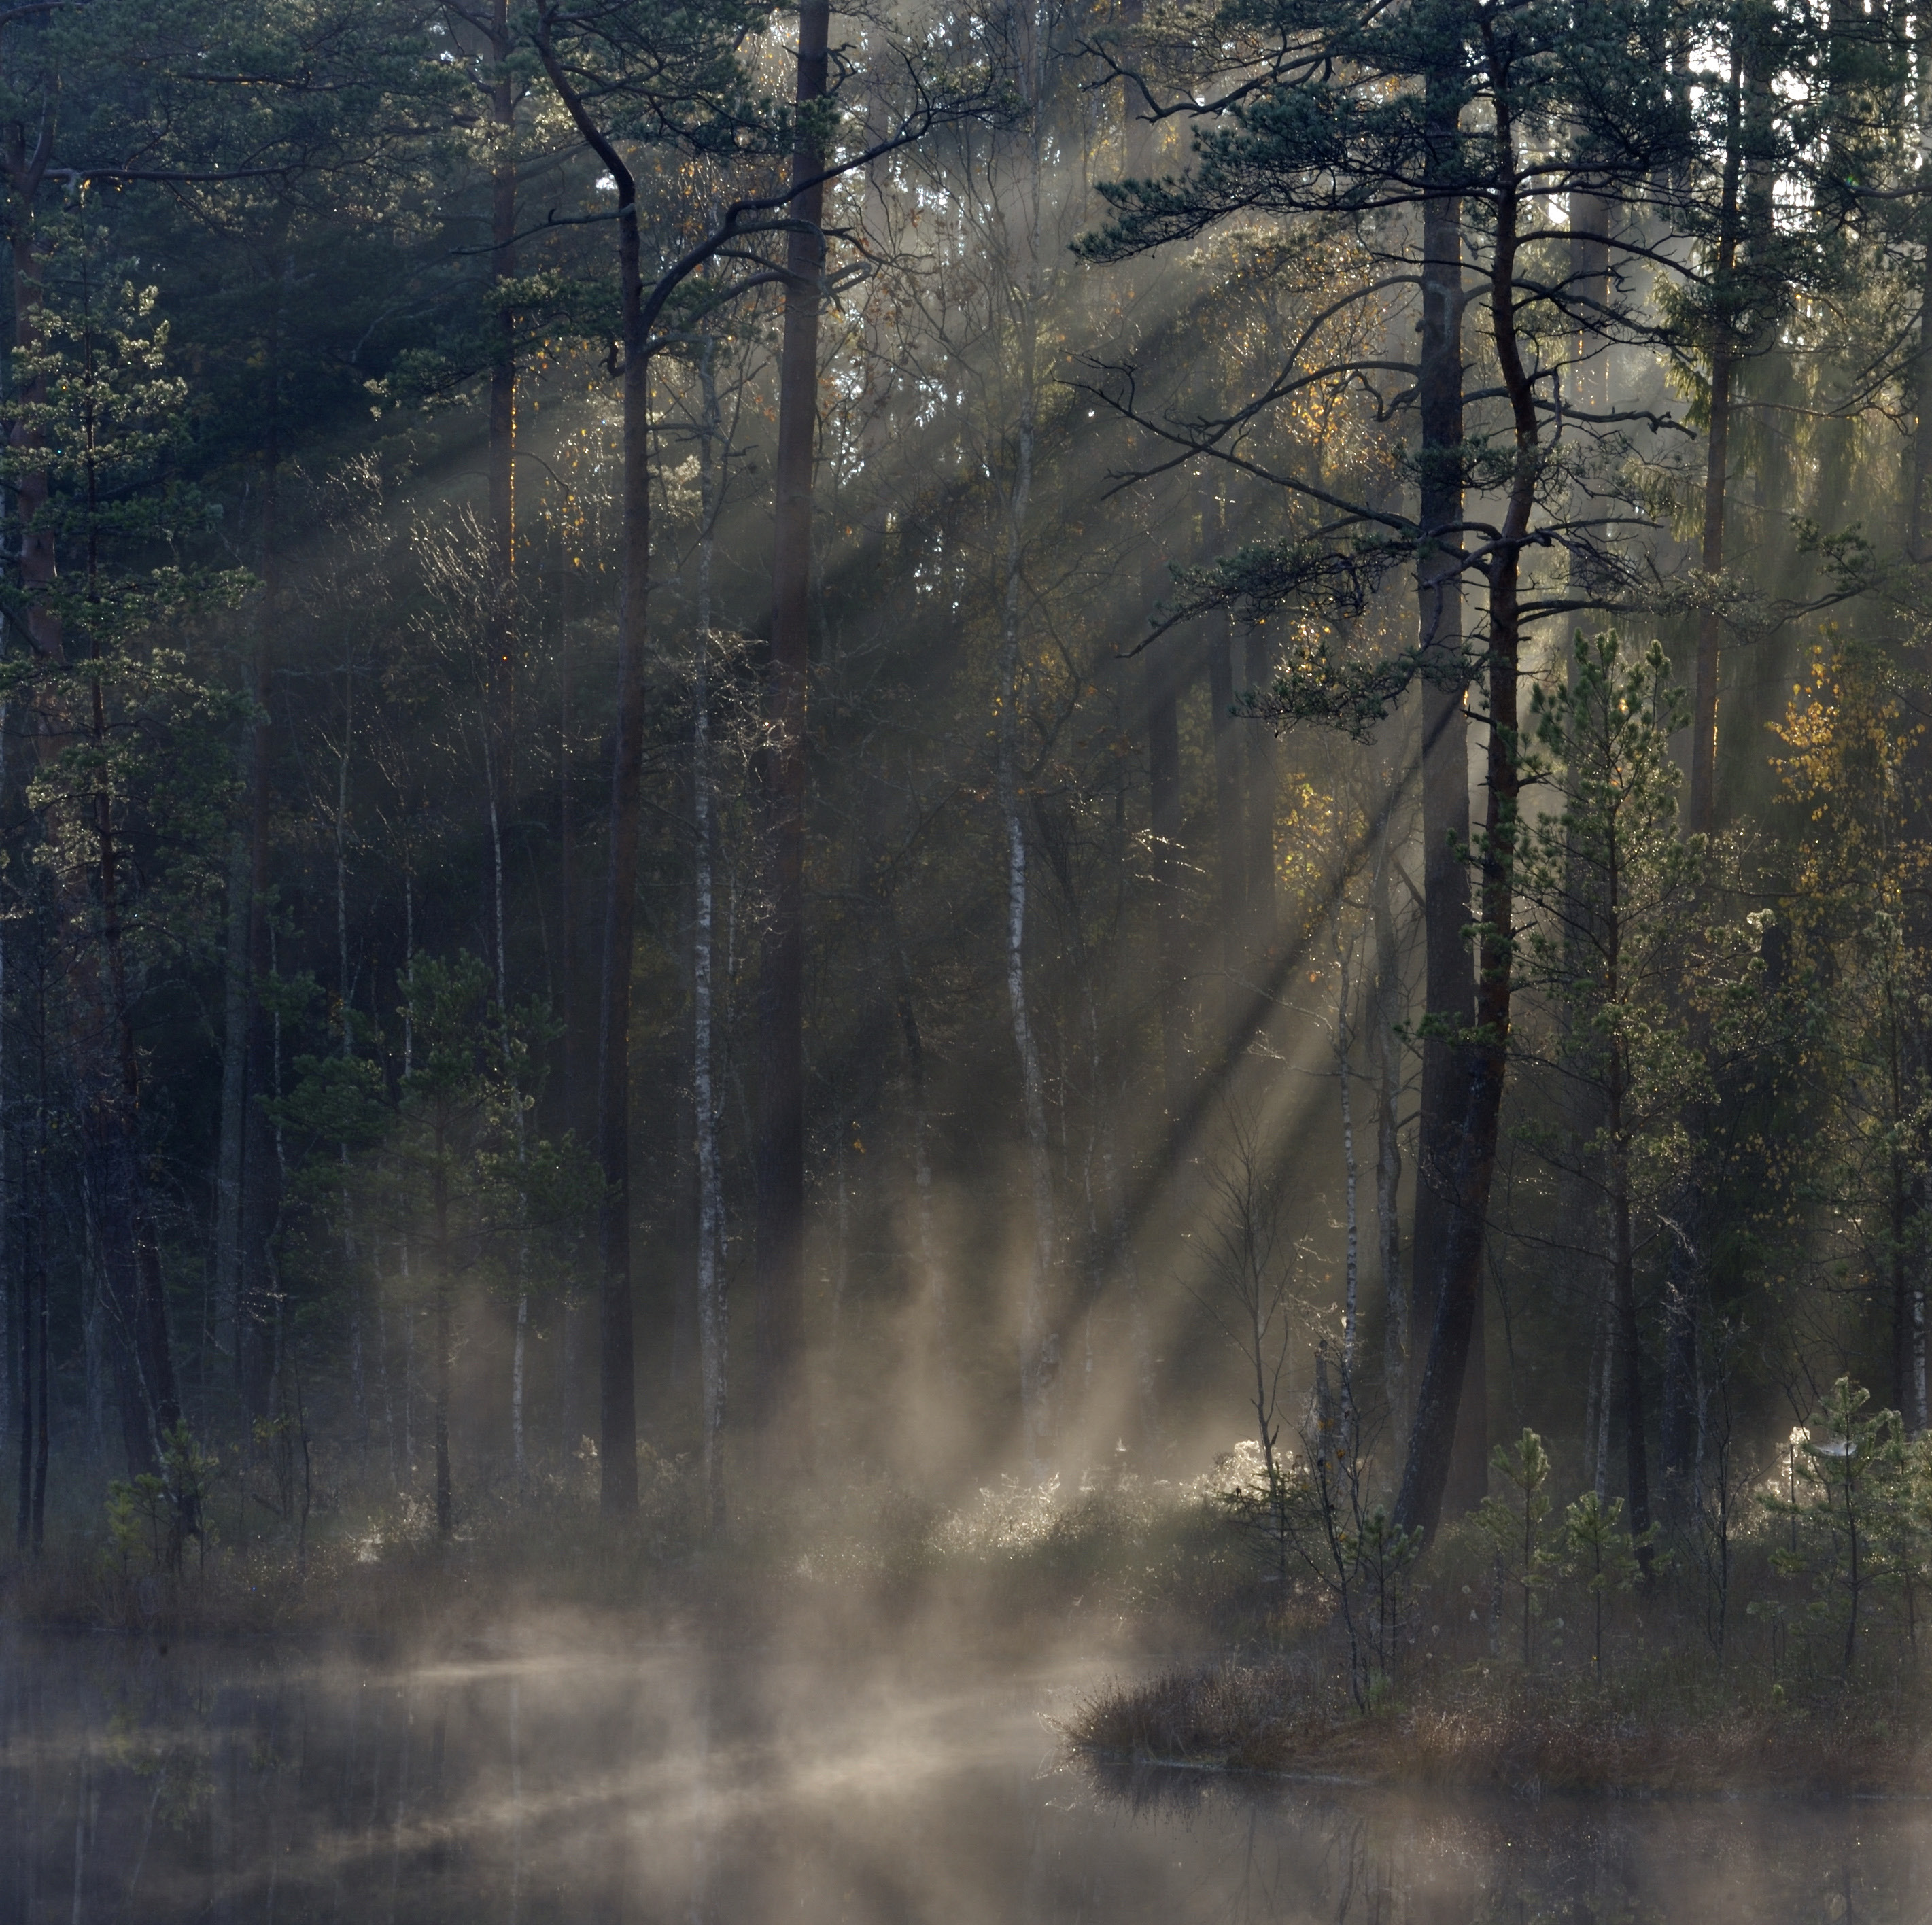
x=1448, y=1382
x=779, y=1166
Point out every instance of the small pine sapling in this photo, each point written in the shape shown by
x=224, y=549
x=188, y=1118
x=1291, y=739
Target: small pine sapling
x=1845, y=1489
x=1516, y=1527
x=1597, y=1547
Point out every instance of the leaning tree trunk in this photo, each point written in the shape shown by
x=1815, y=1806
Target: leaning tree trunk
x=779, y=1159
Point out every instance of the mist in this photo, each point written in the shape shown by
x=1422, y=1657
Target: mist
x=963, y=962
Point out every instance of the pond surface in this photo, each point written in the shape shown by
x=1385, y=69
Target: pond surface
x=690, y=1784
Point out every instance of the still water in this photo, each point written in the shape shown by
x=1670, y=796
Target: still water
x=692, y=1784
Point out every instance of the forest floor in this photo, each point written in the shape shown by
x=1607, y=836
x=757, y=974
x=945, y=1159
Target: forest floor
x=1677, y=1724
x=1131, y=1568
x=1222, y=1669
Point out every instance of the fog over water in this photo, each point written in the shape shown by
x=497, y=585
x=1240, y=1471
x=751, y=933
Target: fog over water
x=678, y=1782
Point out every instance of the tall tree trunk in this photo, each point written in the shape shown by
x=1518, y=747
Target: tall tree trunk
x=617, y=1380
x=1039, y=1357
x=1447, y=1380
x=1385, y=1004
x=1038, y=1350
x=713, y=1310
x=1230, y=821
x=1449, y=987
x=1160, y=677
x=1345, y=1078
x=502, y=668
x=932, y=1269
x=780, y=1147
x=1700, y=816
x=1684, y=1295
x=1259, y=805
x=234, y=1090
x=443, y=1285
x=1231, y=824
x=258, y=1172
x=1920, y=485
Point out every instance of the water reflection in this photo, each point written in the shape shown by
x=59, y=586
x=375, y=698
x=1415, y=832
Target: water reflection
x=703, y=1784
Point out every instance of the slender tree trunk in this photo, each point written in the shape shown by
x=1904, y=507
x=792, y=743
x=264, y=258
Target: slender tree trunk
x=500, y=677
x=1230, y=823
x=1679, y=1425
x=932, y=1270
x=234, y=1092
x=1629, y=1340
x=1038, y=1349
x=33, y=1313
x=1230, y=819
x=1160, y=678
x=442, y=1285
x=713, y=1310
x=1345, y=1077
x=617, y=1401
x=38, y=1336
x=1386, y=994
x=780, y=1146
x=1259, y=805
x=1701, y=814
x=1449, y=988
x=253, y=1310
x=1921, y=496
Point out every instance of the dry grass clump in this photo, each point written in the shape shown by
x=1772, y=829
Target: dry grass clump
x=1498, y=1729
